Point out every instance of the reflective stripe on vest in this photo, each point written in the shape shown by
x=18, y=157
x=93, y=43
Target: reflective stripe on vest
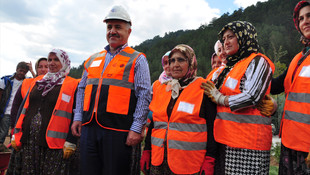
x=239, y=118
x=55, y=134
x=297, y=117
x=120, y=83
x=295, y=123
x=245, y=128
x=62, y=113
x=185, y=132
x=299, y=97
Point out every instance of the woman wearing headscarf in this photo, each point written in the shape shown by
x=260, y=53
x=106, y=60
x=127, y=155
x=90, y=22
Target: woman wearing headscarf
x=42, y=133
x=295, y=124
x=166, y=74
x=182, y=137
x=244, y=133
x=218, y=59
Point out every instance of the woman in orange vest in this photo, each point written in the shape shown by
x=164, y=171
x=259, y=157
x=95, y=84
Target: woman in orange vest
x=42, y=133
x=218, y=59
x=244, y=134
x=182, y=134
x=295, y=123
x=41, y=69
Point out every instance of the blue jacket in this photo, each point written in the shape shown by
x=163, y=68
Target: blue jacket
x=6, y=94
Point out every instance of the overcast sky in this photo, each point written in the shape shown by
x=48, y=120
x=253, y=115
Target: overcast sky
x=30, y=29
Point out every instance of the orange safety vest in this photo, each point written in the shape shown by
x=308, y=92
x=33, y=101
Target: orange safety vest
x=295, y=123
x=245, y=128
x=210, y=75
x=25, y=86
x=185, y=131
x=60, y=121
x=109, y=96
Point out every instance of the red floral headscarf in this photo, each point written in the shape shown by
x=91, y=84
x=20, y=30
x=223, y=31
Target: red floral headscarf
x=299, y=6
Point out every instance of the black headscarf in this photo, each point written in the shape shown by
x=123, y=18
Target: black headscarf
x=248, y=44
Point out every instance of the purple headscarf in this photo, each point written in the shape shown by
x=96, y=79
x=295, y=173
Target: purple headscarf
x=50, y=80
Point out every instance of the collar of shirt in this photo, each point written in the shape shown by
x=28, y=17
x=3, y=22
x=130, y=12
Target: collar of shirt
x=107, y=48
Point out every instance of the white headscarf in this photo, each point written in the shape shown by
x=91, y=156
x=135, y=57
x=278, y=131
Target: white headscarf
x=50, y=80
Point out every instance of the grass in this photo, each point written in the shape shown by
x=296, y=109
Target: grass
x=273, y=170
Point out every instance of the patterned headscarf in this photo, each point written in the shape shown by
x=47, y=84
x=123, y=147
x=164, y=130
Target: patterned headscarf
x=176, y=84
x=163, y=76
x=248, y=44
x=50, y=80
x=299, y=6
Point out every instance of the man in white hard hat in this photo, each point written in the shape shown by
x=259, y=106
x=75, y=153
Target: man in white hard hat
x=112, y=101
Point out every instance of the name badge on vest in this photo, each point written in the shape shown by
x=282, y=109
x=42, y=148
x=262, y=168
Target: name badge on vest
x=186, y=107
x=231, y=83
x=65, y=97
x=95, y=63
x=305, y=72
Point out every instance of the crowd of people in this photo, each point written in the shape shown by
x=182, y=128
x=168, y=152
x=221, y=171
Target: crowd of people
x=217, y=124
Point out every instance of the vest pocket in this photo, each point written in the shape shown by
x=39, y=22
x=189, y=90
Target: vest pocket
x=87, y=96
x=118, y=100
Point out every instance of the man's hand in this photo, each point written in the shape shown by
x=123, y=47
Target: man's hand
x=31, y=69
x=76, y=128
x=133, y=138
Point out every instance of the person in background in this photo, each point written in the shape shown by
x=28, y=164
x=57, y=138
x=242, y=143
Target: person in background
x=42, y=132
x=41, y=66
x=295, y=124
x=220, y=52
x=181, y=136
x=244, y=134
x=116, y=89
x=218, y=59
x=30, y=69
x=216, y=62
x=41, y=69
x=8, y=87
x=163, y=78
x=166, y=74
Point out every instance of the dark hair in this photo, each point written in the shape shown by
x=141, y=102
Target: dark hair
x=38, y=61
x=22, y=65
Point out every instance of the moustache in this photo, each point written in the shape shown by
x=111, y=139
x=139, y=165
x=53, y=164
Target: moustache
x=113, y=35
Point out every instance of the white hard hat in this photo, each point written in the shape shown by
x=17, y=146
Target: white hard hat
x=118, y=12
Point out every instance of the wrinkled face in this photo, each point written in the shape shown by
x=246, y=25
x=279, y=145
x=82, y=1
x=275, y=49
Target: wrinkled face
x=231, y=45
x=216, y=62
x=178, y=65
x=118, y=32
x=304, y=21
x=20, y=73
x=221, y=53
x=42, y=67
x=166, y=66
x=54, y=64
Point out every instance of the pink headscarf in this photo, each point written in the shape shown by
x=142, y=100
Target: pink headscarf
x=163, y=76
x=50, y=80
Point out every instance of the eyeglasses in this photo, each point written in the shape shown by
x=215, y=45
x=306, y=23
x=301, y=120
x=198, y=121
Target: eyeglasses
x=179, y=59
